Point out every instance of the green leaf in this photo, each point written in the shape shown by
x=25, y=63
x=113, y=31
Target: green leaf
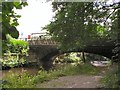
x=19, y=7
x=16, y=4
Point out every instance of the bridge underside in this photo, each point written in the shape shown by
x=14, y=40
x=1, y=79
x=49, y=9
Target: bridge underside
x=105, y=50
x=44, y=53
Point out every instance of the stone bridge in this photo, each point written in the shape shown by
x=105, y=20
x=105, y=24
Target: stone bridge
x=44, y=50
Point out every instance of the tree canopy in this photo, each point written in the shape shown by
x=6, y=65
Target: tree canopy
x=10, y=18
x=79, y=24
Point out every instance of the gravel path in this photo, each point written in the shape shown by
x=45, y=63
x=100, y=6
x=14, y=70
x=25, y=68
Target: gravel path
x=81, y=81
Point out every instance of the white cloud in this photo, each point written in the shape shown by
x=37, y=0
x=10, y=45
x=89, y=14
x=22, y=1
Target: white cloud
x=34, y=16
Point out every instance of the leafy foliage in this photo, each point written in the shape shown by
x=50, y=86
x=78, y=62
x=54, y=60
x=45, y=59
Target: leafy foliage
x=10, y=19
x=9, y=32
x=17, y=47
x=12, y=61
x=73, y=58
x=79, y=24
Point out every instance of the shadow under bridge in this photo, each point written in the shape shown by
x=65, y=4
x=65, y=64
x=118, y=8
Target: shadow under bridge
x=44, y=52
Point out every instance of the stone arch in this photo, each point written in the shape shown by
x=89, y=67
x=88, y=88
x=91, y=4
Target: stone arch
x=48, y=58
x=45, y=52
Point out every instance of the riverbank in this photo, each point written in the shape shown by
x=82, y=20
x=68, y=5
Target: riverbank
x=24, y=80
x=88, y=77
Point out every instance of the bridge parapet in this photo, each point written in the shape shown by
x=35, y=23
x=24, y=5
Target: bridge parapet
x=40, y=41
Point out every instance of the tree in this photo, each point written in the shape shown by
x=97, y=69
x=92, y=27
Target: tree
x=9, y=18
x=79, y=24
x=9, y=21
x=10, y=44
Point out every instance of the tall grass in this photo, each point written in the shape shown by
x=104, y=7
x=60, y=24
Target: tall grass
x=79, y=69
x=18, y=80
x=110, y=80
x=66, y=70
x=25, y=80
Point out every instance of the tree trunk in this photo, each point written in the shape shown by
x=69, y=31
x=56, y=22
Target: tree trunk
x=83, y=56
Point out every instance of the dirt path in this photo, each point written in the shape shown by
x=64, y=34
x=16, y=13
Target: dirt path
x=80, y=81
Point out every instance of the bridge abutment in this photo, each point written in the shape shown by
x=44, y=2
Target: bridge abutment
x=43, y=54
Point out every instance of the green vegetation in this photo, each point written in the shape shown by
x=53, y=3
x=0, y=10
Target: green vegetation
x=75, y=25
x=18, y=80
x=17, y=46
x=24, y=80
x=110, y=80
x=12, y=61
x=66, y=70
x=79, y=24
x=14, y=52
x=77, y=58
x=79, y=69
x=68, y=58
x=12, y=49
x=10, y=18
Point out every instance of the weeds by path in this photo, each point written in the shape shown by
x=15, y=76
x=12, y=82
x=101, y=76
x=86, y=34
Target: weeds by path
x=26, y=80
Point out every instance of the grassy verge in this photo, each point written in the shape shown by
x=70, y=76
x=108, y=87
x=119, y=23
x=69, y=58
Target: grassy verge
x=66, y=70
x=25, y=80
x=18, y=80
x=110, y=80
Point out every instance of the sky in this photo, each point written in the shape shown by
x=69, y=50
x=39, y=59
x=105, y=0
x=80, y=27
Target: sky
x=36, y=15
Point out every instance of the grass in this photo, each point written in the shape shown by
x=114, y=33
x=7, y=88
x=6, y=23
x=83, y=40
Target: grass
x=77, y=69
x=110, y=80
x=67, y=70
x=18, y=80
x=25, y=80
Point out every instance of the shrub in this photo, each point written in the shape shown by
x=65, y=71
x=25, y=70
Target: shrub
x=19, y=80
x=12, y=61
x=110, y=80
x=17, y=47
